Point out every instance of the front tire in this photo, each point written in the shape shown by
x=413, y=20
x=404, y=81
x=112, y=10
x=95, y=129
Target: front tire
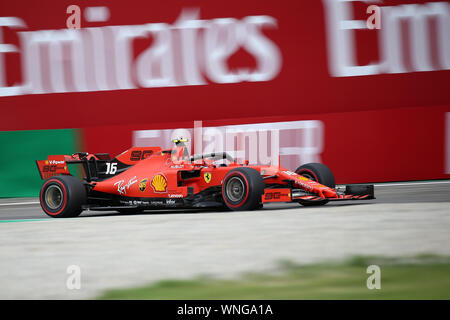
x=63, y=197
x=320, y=173
x=317, y=172
x=242, y=189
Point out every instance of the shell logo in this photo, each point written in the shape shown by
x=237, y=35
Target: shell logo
x=159, y=183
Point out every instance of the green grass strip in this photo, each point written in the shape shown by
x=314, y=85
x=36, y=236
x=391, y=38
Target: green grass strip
x=421, y=277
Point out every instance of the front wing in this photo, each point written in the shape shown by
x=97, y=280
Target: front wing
x=349, y=192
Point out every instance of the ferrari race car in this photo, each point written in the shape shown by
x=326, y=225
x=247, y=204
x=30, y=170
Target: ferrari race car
x=144, y=178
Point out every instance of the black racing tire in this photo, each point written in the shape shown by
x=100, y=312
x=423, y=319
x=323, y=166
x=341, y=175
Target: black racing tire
x=242, y=189
x=319, y=173
x=63, y=196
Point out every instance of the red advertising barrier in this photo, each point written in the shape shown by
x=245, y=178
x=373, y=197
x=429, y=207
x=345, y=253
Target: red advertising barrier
x=374, y=75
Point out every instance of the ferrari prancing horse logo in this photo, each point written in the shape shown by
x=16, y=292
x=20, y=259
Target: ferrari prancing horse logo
x=207, y=177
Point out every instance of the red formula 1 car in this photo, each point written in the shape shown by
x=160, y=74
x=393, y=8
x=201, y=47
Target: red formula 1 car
x=144, y=178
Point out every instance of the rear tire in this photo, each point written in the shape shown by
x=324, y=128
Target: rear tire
x=319, y=173
x=63, y=197
x=242, y=189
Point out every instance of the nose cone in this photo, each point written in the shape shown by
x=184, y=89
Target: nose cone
x=309, y=185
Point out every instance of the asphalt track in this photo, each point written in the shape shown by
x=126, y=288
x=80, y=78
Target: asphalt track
x=115, y=250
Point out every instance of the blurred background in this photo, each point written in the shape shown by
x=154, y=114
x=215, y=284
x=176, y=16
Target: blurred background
x=362, y=86
x=363, y=90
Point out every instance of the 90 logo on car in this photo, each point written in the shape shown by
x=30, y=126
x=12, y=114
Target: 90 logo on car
x=48, y=168
x=140, y=155
x=272, y=196
x=278, y=195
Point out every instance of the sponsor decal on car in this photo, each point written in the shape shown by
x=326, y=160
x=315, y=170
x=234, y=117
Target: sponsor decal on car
x=159, y=183
x=122, y=188
x=143, y=184
x=305, y=186
x=55, y=162
x=170, y=202
x=135, y=202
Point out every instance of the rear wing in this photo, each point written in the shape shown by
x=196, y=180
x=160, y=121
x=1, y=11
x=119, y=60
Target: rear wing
x=58, y=164
x=53, y=166
x=96, y=166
